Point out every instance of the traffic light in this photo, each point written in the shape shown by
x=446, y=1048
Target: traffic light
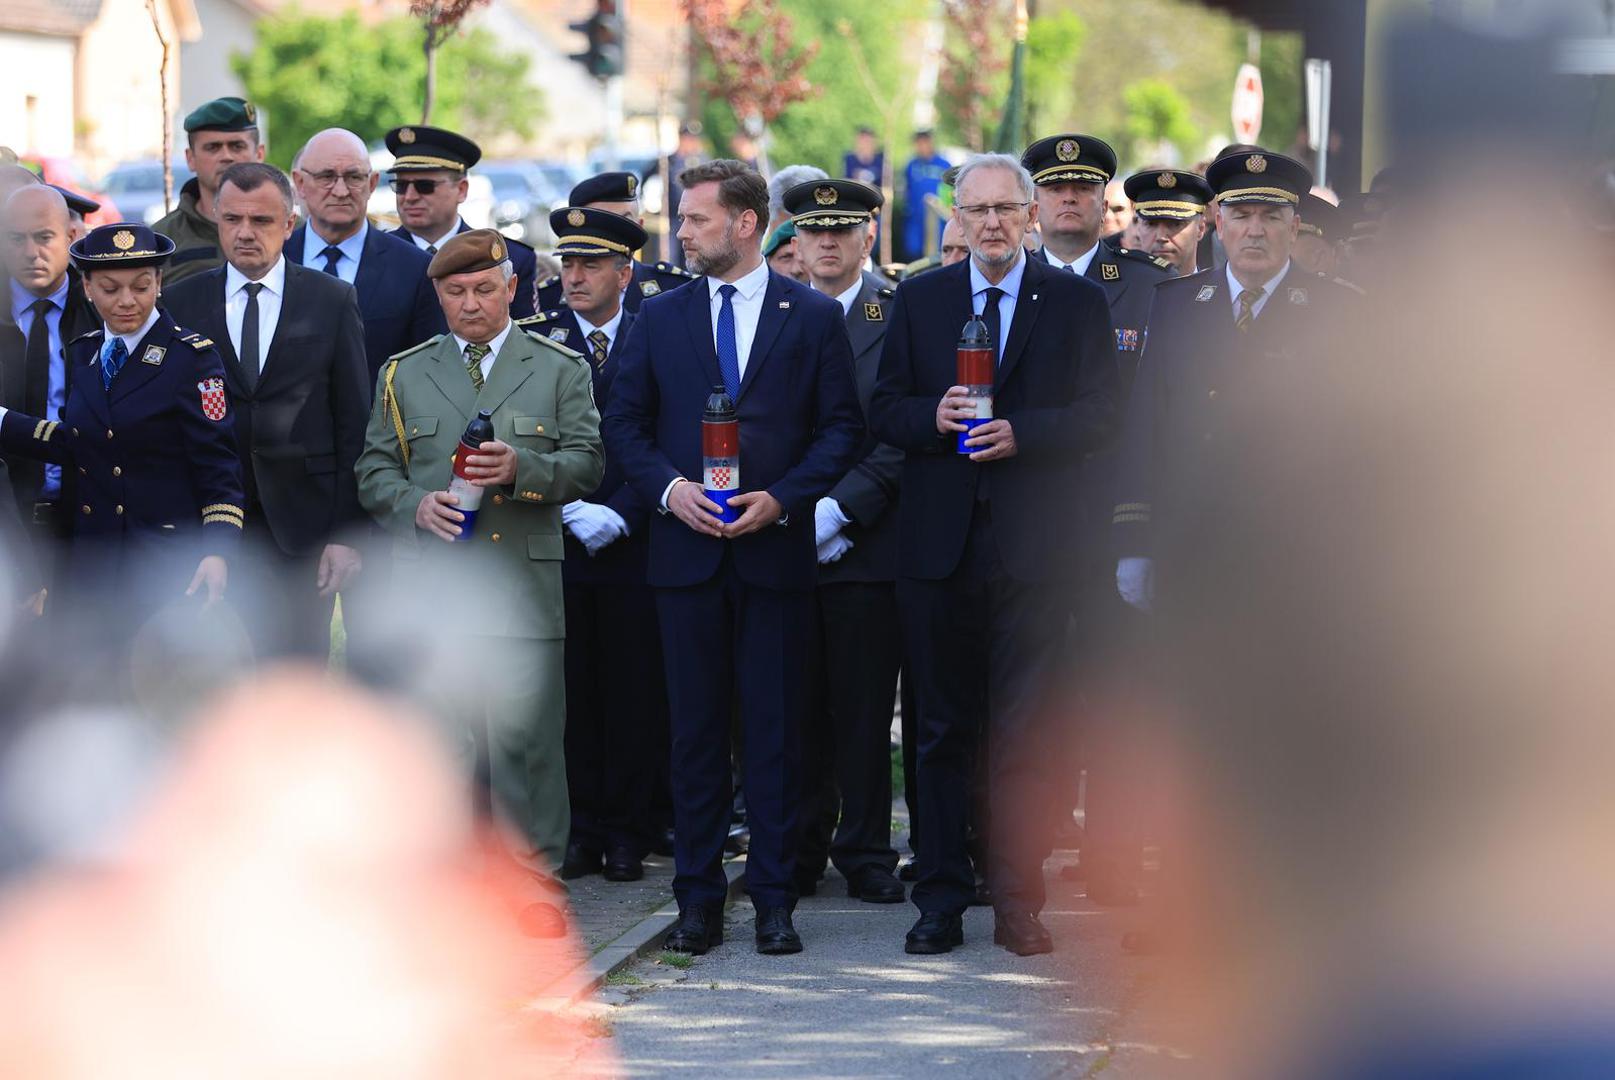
x=604, y=31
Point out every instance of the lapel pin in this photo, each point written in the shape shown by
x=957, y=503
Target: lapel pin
x=784, y=303
x=1034, y=296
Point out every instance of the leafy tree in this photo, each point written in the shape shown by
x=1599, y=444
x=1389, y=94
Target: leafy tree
x=1053, y=43
x=1157, y=117
x=308, y=72
x=440, y=20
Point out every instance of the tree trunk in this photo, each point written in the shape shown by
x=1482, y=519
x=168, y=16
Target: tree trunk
x=431, y=79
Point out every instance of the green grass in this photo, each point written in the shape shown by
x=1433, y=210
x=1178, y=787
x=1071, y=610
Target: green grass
x=675, y=959
x=624, y=978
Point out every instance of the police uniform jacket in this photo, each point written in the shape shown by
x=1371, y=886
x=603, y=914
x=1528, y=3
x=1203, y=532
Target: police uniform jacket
x=1202, y=384
x=523, y=259
x=150, y=464
x=196, y=239
x=543, y=405
x=621, y=562
x=1129, y=278
x=868, y=494
x=650, y=279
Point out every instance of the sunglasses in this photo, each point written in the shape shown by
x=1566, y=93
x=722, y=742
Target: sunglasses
x=425, y=187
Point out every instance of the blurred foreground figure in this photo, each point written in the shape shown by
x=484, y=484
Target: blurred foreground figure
x=304, y=897
x=1388, y=635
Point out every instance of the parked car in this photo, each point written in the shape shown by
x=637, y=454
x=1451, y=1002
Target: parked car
x=521, y=202
x=558, y=178
x=137, y=187
x=65, y=172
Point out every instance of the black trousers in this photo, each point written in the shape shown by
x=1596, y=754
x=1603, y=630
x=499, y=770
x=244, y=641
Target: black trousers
x=846, y=745
x=616, y=714
x=982, y=648
x=275, y=595
x=723, y=638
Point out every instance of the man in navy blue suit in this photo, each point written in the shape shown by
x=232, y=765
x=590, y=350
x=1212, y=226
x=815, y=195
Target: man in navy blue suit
x=735, y=600
x=334, y=181
x=984, y=538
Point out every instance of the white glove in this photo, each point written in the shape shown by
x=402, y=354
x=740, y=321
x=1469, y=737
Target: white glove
x=1135, y=581
x=828, y=519
x=833, y=548
x=594, y=525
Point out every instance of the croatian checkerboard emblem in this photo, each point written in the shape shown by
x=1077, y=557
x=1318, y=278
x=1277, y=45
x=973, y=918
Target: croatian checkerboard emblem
x=213, y=400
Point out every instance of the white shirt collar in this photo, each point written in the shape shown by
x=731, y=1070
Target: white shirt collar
x=131, y=340
x=1079, y=265
x=849, y=295
x=423, y=243
x=274, y=280
x=1011, y=284
x=352, y=247
x=1235, y=288
x=493, y=346
x=748, y=287
x=609, y=326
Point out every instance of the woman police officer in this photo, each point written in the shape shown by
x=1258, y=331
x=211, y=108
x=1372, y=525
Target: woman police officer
x=146, y=441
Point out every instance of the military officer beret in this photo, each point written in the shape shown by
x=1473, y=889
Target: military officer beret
x=606, y=187
x=1059, y=159
x=468, y=252
x=223, y=114
x=1319, y=216
x=124, y=246
x=831, y=204
x=415, y=148
x=82, y=205
x=777, y=238
x=1168, y=193
x=1258, y=176
x=584, y=230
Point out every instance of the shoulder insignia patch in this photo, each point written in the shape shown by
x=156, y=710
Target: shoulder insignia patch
x=153, y=355
x=1110, y=271
x=670, y=268
x=558, y=333
x=1298, y=297
x=1352, y=285
x=650, y=288
x=571, y=354
x=874, y=313
x=1206, y=293
x=427, y=344
x=553, y=279
x=1160, y=262
x=194, y=340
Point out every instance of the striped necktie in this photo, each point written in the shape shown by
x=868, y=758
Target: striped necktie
x=473, y=363
x=112, y=358
x=601, y=345
x=1246, y=315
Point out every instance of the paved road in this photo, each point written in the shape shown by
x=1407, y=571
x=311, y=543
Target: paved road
x=854, y=1004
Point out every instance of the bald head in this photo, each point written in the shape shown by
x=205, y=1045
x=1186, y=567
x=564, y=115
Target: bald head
x=37, y=232
x=13, y=177
x=334, y=182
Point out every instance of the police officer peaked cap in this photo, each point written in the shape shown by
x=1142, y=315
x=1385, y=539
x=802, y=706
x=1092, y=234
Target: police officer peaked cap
x=584, y=230
x=468, y=252
x=1168, y=193
x=1060, y=159
x=223, y=114
x=1319, y=216
x=124, y=246
x=416, y=148
x=606, y=187
x=82, y=205
x=1258, y=176
x=831, y=204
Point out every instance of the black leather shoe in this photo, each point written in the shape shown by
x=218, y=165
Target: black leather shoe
x=697, y=930
x=984, y=894
x=875, y=885
x=936, y=932
x=623, y=864
x=662, y=841
x=908, y=871
x=580, y=860
x=775, y=934
x=1021, y=933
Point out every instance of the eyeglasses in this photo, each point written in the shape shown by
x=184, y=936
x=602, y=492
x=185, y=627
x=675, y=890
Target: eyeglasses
x=328, y=178
x=424, y=187
x=980, y=211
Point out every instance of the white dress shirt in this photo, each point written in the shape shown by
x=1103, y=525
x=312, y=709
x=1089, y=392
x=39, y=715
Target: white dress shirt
x=22, y=303
x=493, y=349
x=610, y=326
x=851, y=294
x=1078, y=266
x=423, y=243
x=1235, y=288
x=347, y=267
x=269, y=301
x=748, y=305
x=1006, y=303
x=129, y=340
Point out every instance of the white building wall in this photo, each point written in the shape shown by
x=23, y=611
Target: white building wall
x=36, y=94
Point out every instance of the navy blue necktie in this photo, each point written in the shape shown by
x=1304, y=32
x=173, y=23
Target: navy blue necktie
x=728, y=350
x=333, y=255
x=112, y=358
x=993, y=316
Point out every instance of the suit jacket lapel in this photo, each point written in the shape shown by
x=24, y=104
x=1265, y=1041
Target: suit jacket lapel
x=864, y=333
x=88, y=377
x=213, y=325
x=510, y=370
x=291, y=301
x=447, y=372
x=371, y=270
x=1027, y=306
x=776, y=309
x=698, y=321
x=136, y=372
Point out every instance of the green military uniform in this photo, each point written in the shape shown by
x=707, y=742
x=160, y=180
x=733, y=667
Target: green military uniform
x=511, y=617
x=196, y=237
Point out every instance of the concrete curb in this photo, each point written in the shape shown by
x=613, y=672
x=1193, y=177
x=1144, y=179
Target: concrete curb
x=638, y=940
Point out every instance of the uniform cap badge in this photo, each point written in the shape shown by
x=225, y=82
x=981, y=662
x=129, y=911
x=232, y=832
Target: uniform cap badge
x=825, y=196
x=406, y=135
x=251, y=111
x=1067, y=150
x=1256, y=163
x=123, y=239
x=496, y=249
x=1167, y=180
x=632, y=182
x=576, y=218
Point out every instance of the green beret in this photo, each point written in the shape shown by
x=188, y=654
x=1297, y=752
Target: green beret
x=223, y=114
x=777, y=238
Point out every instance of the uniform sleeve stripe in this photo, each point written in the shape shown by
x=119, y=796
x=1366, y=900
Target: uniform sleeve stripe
x=1120, y=507
x=221, y=519
x=1123, y=519
x=224, y=508
x=39, y=431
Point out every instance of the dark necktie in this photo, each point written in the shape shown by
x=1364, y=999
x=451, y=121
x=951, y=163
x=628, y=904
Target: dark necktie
x=333, y=255
x=431, y=249
x=728, y=349
x=36, y=362
x=249, y=334
x=473, y=362
x=1246, y=315
x=601, y=346
x=112, y=358
x=994, y=320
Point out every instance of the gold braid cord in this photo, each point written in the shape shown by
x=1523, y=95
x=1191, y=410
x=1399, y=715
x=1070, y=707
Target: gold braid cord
x=390, y=403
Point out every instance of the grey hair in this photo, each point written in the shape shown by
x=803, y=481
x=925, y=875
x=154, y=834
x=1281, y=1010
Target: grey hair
x=1008, y=162
x=785, y=180
x=507, y=269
